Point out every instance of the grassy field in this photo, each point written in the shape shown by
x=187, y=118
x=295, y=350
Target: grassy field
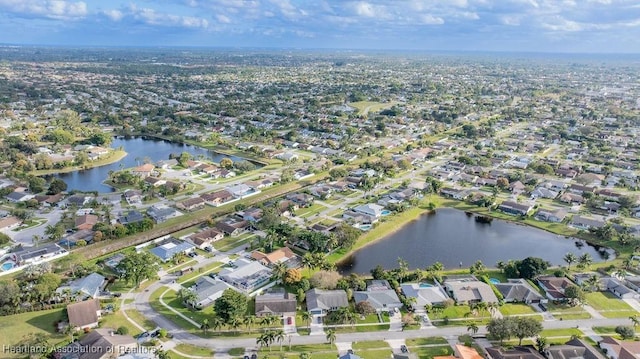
x=565, y=311
x=113, y=157
x=365, y=107
x=228, y=243
x=516, y=309
x=189, y=349
x=426, y=341
x=609, y=305
x=117, y=320
x=430, y=352
x=14, y=327
x=374, y=344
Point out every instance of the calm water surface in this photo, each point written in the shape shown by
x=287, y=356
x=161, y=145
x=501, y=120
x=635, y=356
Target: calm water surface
x=454, y=238
x=137, y=149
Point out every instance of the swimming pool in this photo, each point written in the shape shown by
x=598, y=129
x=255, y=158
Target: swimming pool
x=494, y=280
x=7, y=266
x=425, y=285
x=365, y=227
x=385, y=212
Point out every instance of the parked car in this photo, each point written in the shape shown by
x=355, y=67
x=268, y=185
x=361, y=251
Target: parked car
x=404, y=349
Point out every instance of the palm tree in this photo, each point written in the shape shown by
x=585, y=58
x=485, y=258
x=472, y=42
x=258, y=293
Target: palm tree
x=331, y=336
x=307, y=261
x=269, y=337
x=278, y=335
x=472, y=327
x=304, y=355
x=235, y=323
x=216, y=323
x=403, y=268
x=593, y=282
x=249, y=321
x=570, y=258
x=306, y=316
x=205, y=325
x=585, y=260
x=634, y=320
x=262, y=341
x=189, y=297
x=278, y=271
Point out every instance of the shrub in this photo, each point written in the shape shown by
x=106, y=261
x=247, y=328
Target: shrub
x=625, y=331
x=122, y=330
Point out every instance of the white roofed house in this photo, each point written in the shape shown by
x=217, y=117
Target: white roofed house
x=246, y=275
x=89, y=286
x=425, y=295
x=321, y=302
x=380, y=295
x=467, y=289
x=369, y=209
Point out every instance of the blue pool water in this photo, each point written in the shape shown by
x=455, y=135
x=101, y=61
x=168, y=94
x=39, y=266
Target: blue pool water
x=494, y=280
x=385, y=212
x=425, y=285
x=7, y=265
x=365, y=227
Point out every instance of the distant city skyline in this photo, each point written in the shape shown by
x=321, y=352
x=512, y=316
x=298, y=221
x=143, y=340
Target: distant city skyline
x=580, y=26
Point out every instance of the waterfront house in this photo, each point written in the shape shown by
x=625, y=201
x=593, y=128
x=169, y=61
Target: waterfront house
x=554, y=286
x=321, y=302
x=520, y=291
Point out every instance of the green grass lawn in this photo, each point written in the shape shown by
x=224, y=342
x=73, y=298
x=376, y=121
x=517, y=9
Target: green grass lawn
x=117, y=320
x=564, y=332
x=604, y=330
x=425, y=341
x=374, y=344
x=236, y=351
x=137, y=317
x=454, y=311
x=14, y=327
x=371, y=318
x=566, y=311
x=430, y=352
x=228, y=243
x=195, y=350
x=516, y=309
x=609, y=305
x=365, y=107
x=310, y=211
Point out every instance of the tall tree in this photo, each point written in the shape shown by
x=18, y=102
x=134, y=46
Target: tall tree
x=331, y=336
x=231, y=304
x=136, y=267
x=570, y=258
x=526, y=327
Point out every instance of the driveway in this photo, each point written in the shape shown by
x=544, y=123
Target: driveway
x=25, y=236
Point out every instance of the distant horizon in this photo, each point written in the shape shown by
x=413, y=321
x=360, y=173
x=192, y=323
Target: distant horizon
x=310, y=49
x=539, y=26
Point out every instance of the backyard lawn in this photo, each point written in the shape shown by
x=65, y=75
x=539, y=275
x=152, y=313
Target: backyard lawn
x=14, y=327
x=374, y=344
x=566, y=311
x=426, y=341
x=430, y=352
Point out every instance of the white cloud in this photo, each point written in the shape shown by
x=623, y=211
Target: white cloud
x=431, y=20
x=53, y=9
x=223, y=19
x=115, y=15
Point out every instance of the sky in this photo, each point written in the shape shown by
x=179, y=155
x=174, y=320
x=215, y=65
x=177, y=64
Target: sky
x=584, y=26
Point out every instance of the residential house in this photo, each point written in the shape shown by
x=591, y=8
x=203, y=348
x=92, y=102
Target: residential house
x=517, y=188
x=519, y=291
x=278, y=303
x=585, y=223
x=609, y=195
x=370, y=209
x=246, y=275
x=233, y=227
x=580, y=189
x=253, y=214
x=143, y=171
x=616, y=287
x=101, y=343
x=168, y=248
x=454, y=193
x=166, y=164
x=575, y=348
x=380, y=295
x=191, y=204
x=542, y=192
x=131, y=217
x=19, y=196
x=572, y=198
x=36, y=254
x=217, y=198
x=280, y=255
x=240, y=190
x=554, y=286
x=321, y=302
x=161, y=212
x=10, y=222
x=207, y=290
x=89, y=286
x=514, y=208
x=425, y=295
x=133, y=196
x=84, y=314
x=301, y=199
x=86, y=221
x=71, y=240
x=465, y=352
x=619, y=349
x=224, y=174
x=518, y=352
x=204, y=238
x=556, y=216
x=468, y=289
x=154, y=181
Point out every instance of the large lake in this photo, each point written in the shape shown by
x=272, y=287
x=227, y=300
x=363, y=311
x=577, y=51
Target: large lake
x=137, y=149
x=454, y=238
